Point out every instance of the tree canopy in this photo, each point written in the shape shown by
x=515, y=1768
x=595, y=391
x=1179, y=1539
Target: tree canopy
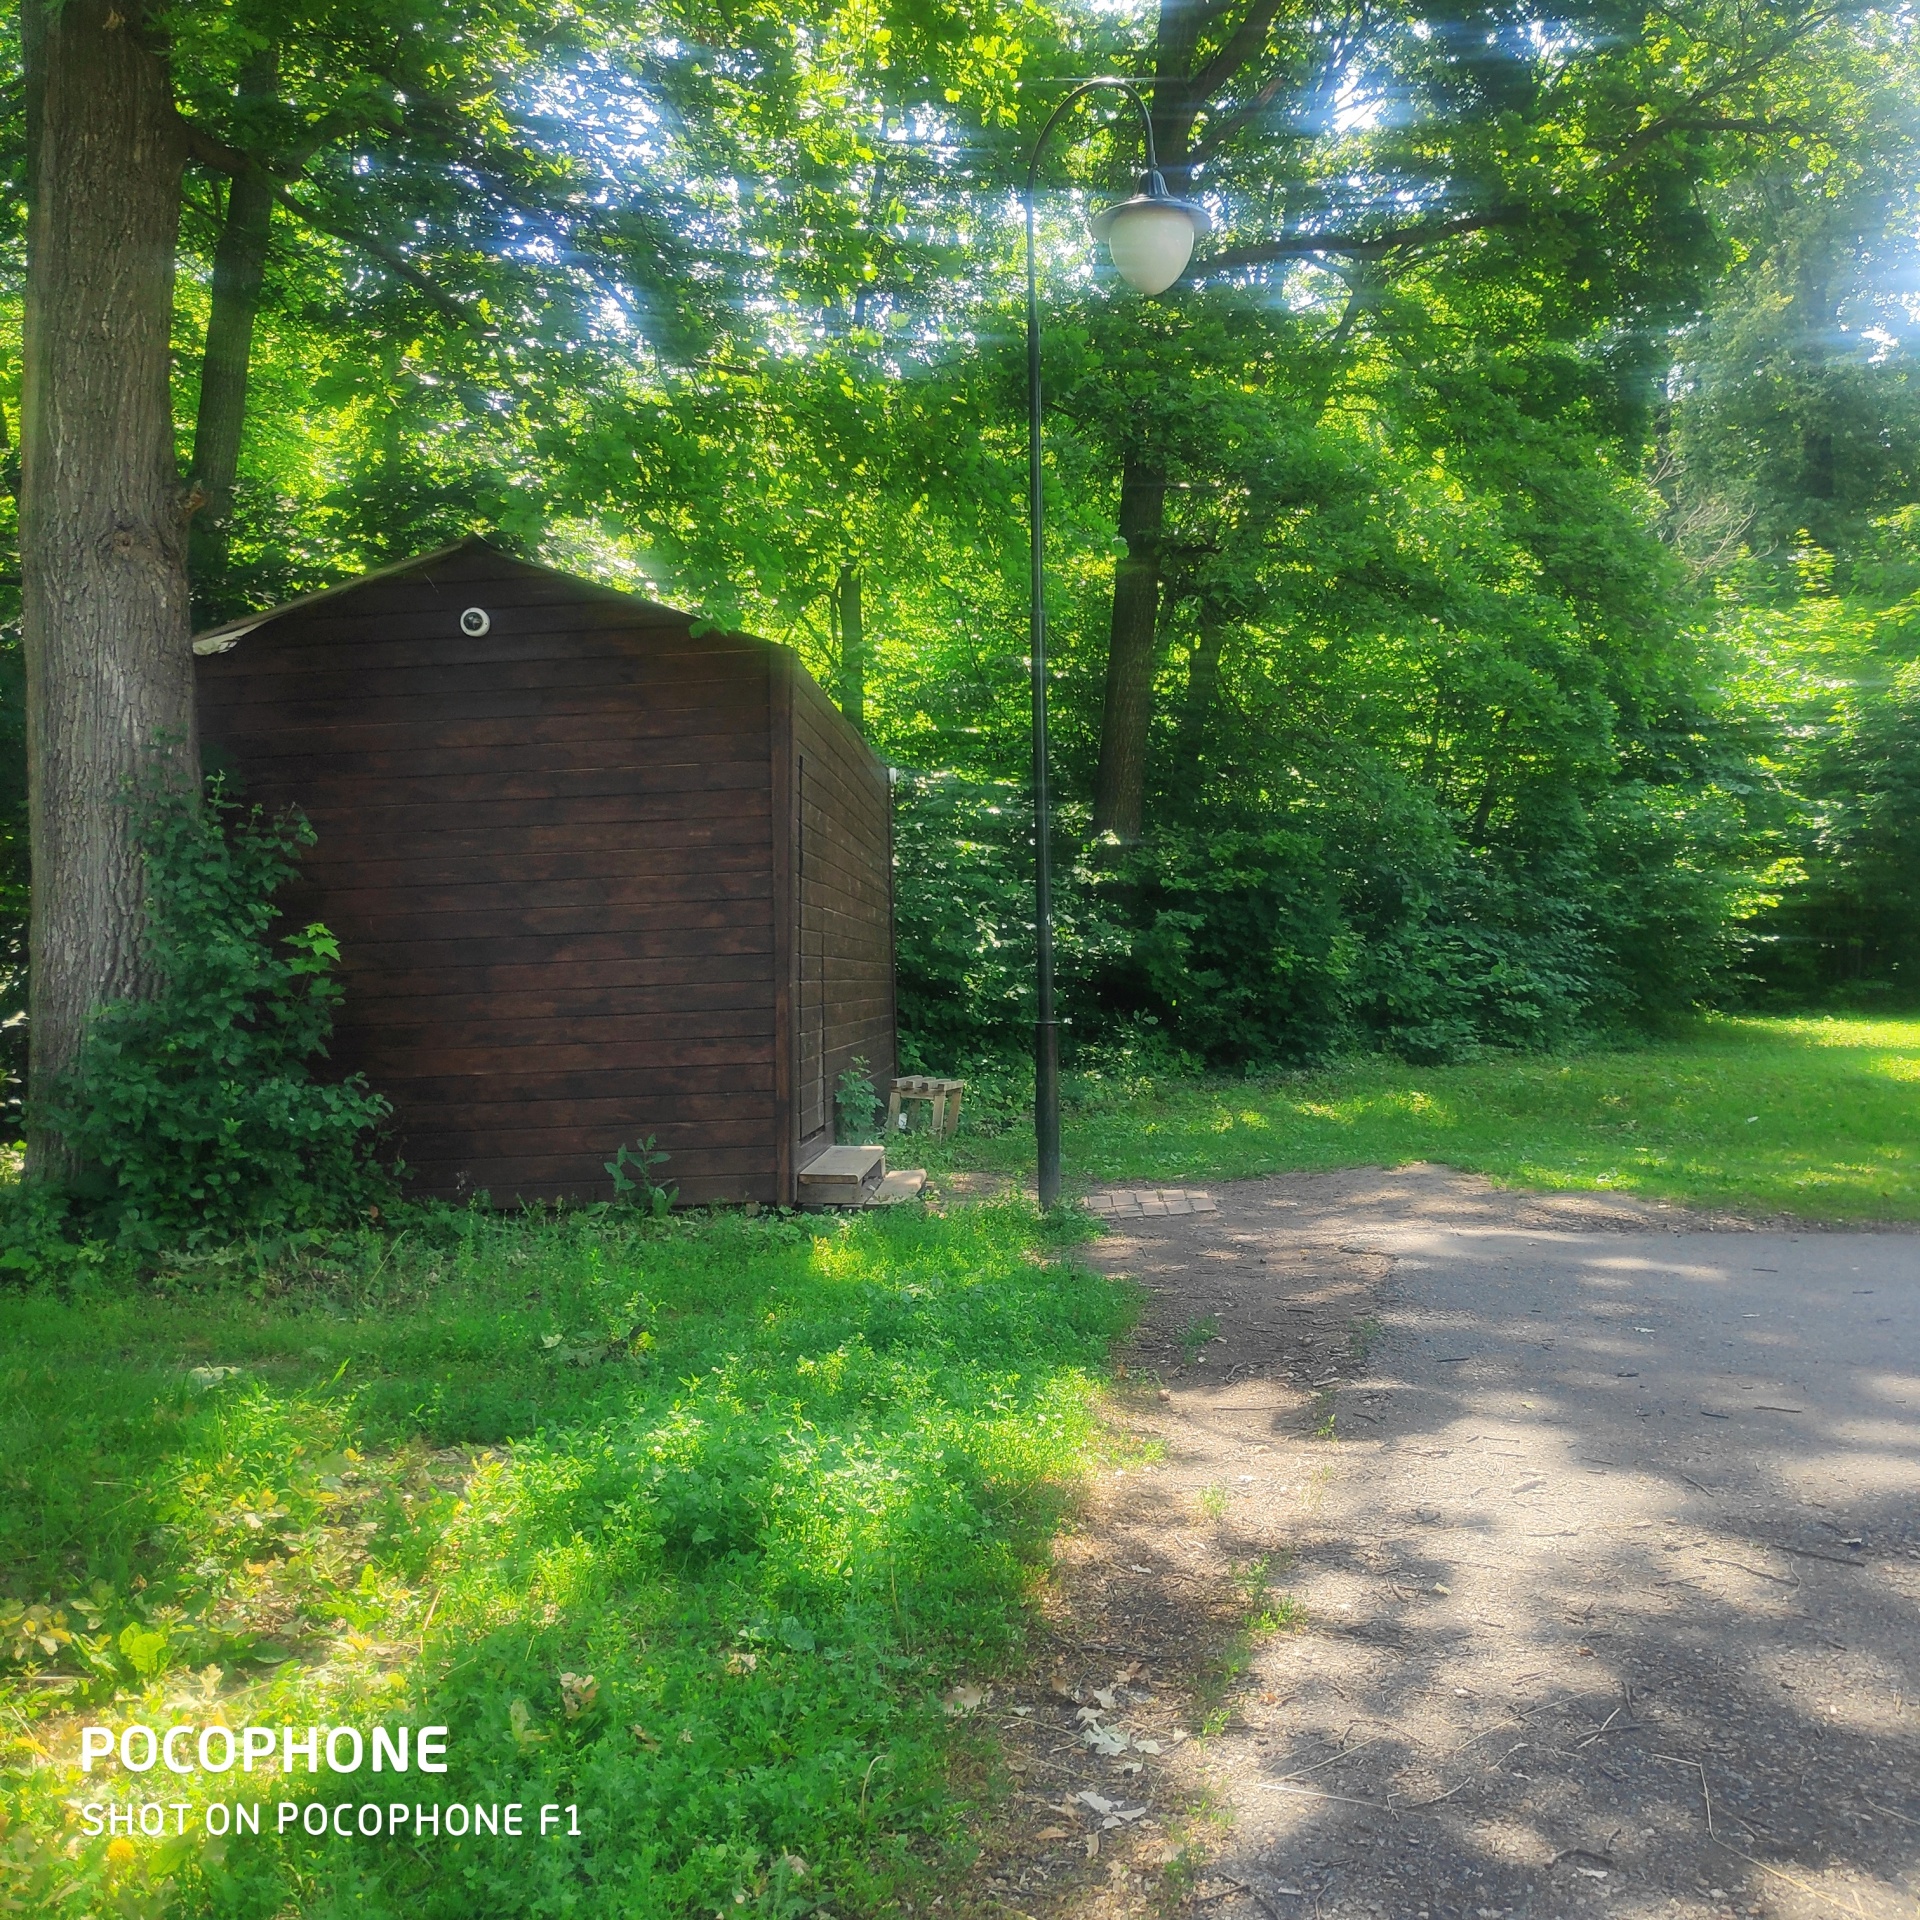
x=1482, y=586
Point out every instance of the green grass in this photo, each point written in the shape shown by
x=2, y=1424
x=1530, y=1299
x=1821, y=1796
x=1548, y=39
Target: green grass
x=686, y=1523
x=691, y=1523
x=1818, y=1117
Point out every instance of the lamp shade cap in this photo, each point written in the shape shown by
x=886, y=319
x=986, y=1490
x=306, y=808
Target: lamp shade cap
x=1151, y=237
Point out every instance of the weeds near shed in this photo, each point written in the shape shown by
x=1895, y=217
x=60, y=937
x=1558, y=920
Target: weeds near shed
x=856, y=1104
x=631, y=1170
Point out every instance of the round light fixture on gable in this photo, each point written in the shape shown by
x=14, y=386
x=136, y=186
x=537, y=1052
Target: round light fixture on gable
x=474, y=622
x=1151, y=236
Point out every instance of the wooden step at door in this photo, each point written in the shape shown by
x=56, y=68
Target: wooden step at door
x=842, y=1177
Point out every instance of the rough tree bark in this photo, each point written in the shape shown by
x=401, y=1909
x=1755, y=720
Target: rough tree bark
x=239, y=269
x=103, y=517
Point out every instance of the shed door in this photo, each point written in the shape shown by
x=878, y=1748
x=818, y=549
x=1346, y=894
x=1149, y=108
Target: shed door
x=815, y=1112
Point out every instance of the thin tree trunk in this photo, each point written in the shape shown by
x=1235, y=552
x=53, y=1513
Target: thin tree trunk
x=239, y=270
x=1490, y=787
x=103, y=525
x=239, y=267
x=1119, y=800
x=849, y=617
x=1203, y=686
x=1126, y=726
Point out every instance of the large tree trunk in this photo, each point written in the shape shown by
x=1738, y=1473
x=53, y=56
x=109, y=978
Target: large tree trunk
x=239, y=269
x=103, y=524
x=1119, y=798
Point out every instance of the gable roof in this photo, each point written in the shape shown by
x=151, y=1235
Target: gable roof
x=229, y=633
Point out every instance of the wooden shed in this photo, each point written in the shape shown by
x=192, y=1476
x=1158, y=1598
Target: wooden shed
x=596, y=871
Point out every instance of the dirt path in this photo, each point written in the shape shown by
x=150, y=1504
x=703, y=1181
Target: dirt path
x=1592, y=1517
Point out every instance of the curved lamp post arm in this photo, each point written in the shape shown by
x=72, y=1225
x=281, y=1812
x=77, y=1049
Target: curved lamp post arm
x=1046, y=1048
x=1079, y=93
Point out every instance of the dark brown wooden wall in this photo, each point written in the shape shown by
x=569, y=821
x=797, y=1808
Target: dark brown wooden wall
x=843, y=1003
x=548, y=856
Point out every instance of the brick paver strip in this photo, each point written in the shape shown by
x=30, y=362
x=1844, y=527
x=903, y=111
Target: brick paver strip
x=1123, y=1203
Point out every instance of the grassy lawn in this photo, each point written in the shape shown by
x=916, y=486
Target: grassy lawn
x=1816, y=1116
x=687, y=1524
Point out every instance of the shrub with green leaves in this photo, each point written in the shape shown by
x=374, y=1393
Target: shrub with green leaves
x=856, y=1103
x=195, y=1113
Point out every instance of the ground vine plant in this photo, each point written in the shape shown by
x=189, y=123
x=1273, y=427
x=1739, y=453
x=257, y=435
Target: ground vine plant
x=196, y=1114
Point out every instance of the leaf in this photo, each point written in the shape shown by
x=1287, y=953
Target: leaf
x=144, y=1647
x=962, y=1699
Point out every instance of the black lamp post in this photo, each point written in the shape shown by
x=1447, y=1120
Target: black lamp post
x=1151, y=240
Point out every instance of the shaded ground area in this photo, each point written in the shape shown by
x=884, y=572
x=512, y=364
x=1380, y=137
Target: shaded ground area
x=1606, y=1531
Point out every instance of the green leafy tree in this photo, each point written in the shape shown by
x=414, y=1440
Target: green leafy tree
x=194, y=1112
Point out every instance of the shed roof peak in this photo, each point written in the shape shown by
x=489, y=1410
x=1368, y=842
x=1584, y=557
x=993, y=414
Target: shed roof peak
x=218, y=639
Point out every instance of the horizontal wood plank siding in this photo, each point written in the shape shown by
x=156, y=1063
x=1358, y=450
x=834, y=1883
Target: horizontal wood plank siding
x=547, y=854
x=843, y=834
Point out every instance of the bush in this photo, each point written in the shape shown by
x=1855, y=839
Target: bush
x=1356, y=919
x=194, y=1113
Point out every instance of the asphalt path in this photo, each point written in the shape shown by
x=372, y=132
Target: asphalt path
x=1610, y=1570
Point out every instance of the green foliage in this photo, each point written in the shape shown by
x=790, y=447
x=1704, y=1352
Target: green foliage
x=857, y=1105
x=194, y=1112
x=631, y=1171
x=1354, y=919
x=710, y=1589
x=1461, y=594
